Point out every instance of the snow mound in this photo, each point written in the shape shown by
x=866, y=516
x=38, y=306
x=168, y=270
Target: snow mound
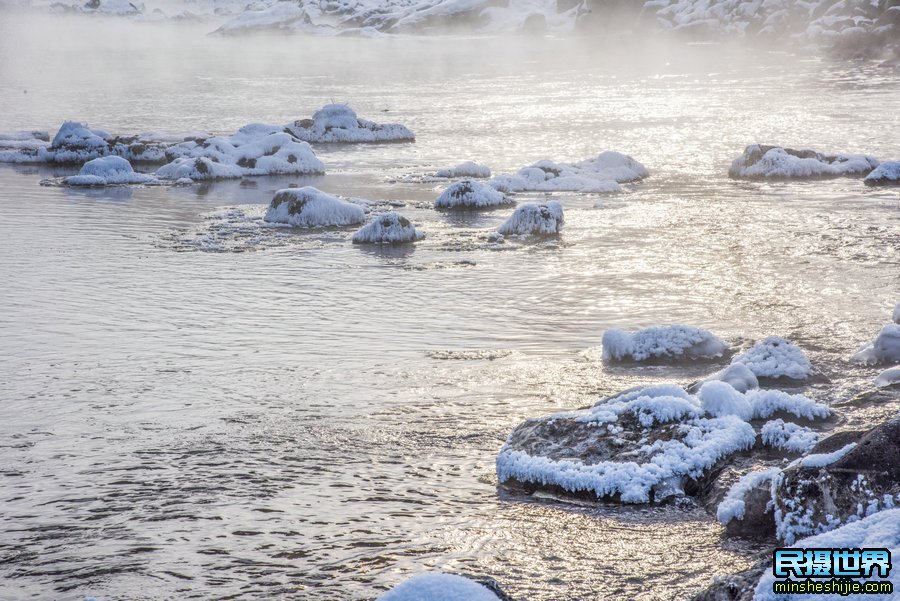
x=601, y=174
x=255, y=149
x=762, y=161
x=665, y=342
x=788, y=436
x=889, y=377
x=738, y=376
x=439, y=587
x=309, y=207
x=884, y=349
x=106, y=171
x=887, y=172
x=719, y=399
x=466, y=169
x=733, y=505
x=532, y=219
x=339, y=123
x=389, y=228
x=775, y=357
x=469, y=194
x=878, y=531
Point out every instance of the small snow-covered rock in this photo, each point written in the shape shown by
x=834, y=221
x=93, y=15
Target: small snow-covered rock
x=889, y=377
x=775, y=357
x=884, y=349
x=388, y=228
x=672, y=342
x=75, y=142
x=533, y=219
x=738, y=376
x=108, y=170
x=762, y=161
x=339, y=123
x=112, y=7
x=466, y=169
x=470, y=194
x=603, y=173
x=746, y=509
x=720, y=398
x=887, y=172
x=309, y=207
x=791, y=437
x=439, y=587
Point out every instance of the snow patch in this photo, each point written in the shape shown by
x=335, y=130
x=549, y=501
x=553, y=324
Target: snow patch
x=388, y=228
x=533, y=219
x=738, y=376
x=470, y=194
x=600, y=174
x=788, y=436
x=309, y=207
x=674, y=342
x=439, y=587
x=887, y=172
x=884, y=349
x=775, y=357
x=339, y=123
x=761, y=161
x=106, y=171
x=466, y=169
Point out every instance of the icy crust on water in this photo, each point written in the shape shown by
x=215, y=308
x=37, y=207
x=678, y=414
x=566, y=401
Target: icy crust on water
x=774, y=357
x=793, y=438
x=601, y=174
x=339, y=123
x=762, y=161
x=733, y=506
x=664, y=342
x=109, y=170
x=884, y=349
x=533, y=219
x=887, y=172
x=388, y=228
x=439, y=587
x=465, y=169
x=878, y=531
x=470, y=194
x=309, y=207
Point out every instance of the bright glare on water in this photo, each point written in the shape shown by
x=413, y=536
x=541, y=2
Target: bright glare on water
x=193, y=405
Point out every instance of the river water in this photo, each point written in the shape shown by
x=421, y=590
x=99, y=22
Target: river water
x=193, y=405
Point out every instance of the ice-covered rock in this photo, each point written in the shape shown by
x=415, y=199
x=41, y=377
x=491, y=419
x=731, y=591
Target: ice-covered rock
x=672, y=343
x=470, y=194
x=533, y=219
x=309, y=207
x=466, y=169
x=887, y=172
x=763, y=161
x=791, y=437
x=388, y=228
x=884, y=349
x=889, y=377
x=737, y=375
x=112, y=7
x=746, y=509
x=439, y=587
x=339, y=123
x=603, y=173
x=775, y=357
x=720, y=398
x=108, y=170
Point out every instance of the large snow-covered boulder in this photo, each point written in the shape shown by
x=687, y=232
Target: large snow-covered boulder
x=108, y=170
x=886, y=173
x=603, y=173
x=774, y=357
x=339, y=123
x=664, y=343
x=760, y=161
x=388, y=228
x=470, y=194
x=439, y=587
x=533, y=219
x=465, y=169
x=884, y=349
x=310, y=207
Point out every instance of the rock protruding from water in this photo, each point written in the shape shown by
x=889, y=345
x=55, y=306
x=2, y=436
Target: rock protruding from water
x=388, y=228
x=465, y=169
x=884, y=349
x=470, y=194
x=339, y=123
x=602, y=173
x=310, y=207
x=670, y=343
x=887, y=173
x=760, y=161
x=107, y=171
x=775, y=358
x=533, y=219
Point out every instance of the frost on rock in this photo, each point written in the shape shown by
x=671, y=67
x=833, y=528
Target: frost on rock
x=889, y=377
x=388, y=228
x=339, y=123
x=734, y=505
x=775, y=357
x=470, y=194
x=884, y=349
x=672, y=342
x=720, y=399
x=601, y=174
x=439, y=587
x=309, y=207
x=466, y=169
x=887, y=172
x=788, y=436
x=108, y=170
x=737, y=375
x=533, y=219
x=255, y=149
x=762, y=161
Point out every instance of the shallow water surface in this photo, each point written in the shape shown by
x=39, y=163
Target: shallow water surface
x=198, y=405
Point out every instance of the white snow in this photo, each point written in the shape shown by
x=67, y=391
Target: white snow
x=339, y=123
x=673, y=341
x=889, y=377
x=887, y=172
x=438, y=587
x=775, y=357
x=738, y=376
x=106, y=171
x=733, y=506
x=824, y=459
x=533, y=219
x=600, y=174
x=309, y=207
x=776, y=162
x=884, y=349
x=791, y=437
x=465, y=169
x=470, y=194
x=387, y=228
x=720, y=398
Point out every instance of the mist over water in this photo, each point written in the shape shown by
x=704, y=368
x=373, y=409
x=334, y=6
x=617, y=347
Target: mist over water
x=196, y=406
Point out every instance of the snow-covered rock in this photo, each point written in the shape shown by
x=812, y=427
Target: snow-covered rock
x=388, y=228
x=737, y=375
x=884, y=349
x=533, y=219
x=108, y=170
x=112, y=7
x=791, y=437
x=439, y=587
x=603, y=173
x=470, y=194
x=887, y=172
x=466, y=169
x=889, y=377
x=720, y=398
x=339, y=123
x=762, y=161
x=674, y=342
x=309, y=207
x=746, y=508
x=775, y=357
